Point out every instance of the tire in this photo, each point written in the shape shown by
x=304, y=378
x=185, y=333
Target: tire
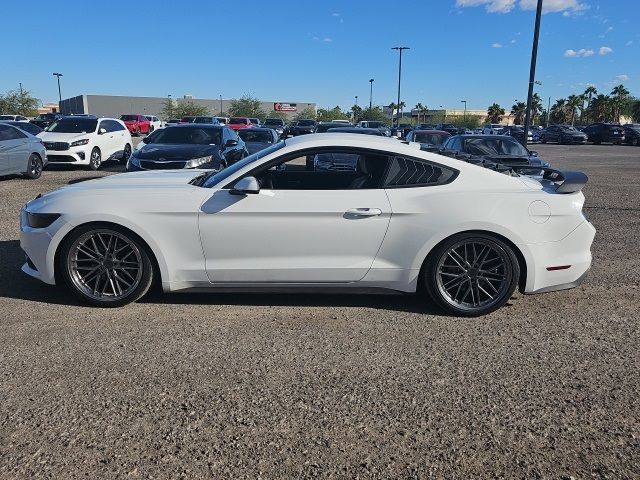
x=34, y=169
x=124, y=268
x=126, y=153
x=150, y=130
x=543, y=139
x=635, y=142
x=560, y=140
x=459, y=259
x=95, y=160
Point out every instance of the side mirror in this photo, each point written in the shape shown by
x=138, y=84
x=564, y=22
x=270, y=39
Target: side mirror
x=533, y=153
x=231, y=143
x=102, y=131
x=246, y=186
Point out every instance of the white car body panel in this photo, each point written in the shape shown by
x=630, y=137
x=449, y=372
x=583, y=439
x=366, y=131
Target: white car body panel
x=208, y=238
x=15, y=153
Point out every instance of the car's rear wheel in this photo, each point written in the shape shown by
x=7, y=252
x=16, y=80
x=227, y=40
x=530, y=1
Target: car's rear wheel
x=126, y=153
x=635, y=142
x=471, y=274
x=105, y=266
x=95, y=160
x=543, y=139
x=35, y=166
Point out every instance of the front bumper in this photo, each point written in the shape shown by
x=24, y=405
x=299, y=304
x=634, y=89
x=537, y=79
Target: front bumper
x=573, y=250
x=74, y=155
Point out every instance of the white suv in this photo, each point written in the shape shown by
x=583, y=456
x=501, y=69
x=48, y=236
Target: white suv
x=492, y=129
x=155, y=122
x=86, y=141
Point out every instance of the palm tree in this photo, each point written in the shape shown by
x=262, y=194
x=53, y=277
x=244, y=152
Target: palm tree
x=392, y=107
x=419, y=107
x=518, y=110
x=573, y=102
x=589, y=93
x=495, y=113
x=602, y=108
x=401, y=108
x=619, y=94
x=559, y=111
x=536, y=107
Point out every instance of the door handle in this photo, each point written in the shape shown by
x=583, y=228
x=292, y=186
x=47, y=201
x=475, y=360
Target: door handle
x=364, y=212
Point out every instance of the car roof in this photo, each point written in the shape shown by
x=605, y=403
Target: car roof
x=256, y=129
x=358, y=130
x=432, y=130
x=192, y=125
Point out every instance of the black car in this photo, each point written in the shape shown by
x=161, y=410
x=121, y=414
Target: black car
x=276, y=124
x=430, y=140
x=189, y=146
x=322, y=127
x=26, y=126
x=256, y=139
x=605, y=133
x=562, y=134
x=302, y=127
x=517, y=133
x=447, y=127
x=362, y=131
x=499, y=152
x=632, y=134
x=206, y=120
x=45, y=119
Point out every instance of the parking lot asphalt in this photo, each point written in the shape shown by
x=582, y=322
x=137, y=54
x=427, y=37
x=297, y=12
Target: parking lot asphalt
x=340, y=386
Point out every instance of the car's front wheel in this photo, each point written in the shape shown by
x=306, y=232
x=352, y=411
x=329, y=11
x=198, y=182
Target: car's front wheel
x=471, y=274
x=35, y=166
x=105, y=266
x=95, y=160
x=126, y=153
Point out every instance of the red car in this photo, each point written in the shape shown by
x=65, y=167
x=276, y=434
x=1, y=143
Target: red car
x=238, y=123
x=136, y=124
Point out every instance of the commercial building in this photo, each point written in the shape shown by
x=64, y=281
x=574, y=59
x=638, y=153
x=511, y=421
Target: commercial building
x=114, y=105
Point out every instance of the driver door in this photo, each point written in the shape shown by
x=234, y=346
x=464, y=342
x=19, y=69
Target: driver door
x=299, y=228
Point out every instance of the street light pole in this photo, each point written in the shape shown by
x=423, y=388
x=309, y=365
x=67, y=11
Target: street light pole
x=532, y=71
x=59, y=92
x=548, y=111
x=220, y=104
x=370, y=93
x=464, y=115
x=400, y=49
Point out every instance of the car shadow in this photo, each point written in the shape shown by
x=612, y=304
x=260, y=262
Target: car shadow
x=18, y=285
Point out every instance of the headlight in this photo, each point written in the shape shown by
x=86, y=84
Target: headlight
x=41, y=220
x=196, y=162
x=77, y=143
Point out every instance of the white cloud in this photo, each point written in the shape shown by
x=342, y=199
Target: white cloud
x=583, y=52
x=629, y=43
x=505, y=6
x=622, y=78
x=496, y=45
x=335, y=14
x=327, y=39
x=605, y=50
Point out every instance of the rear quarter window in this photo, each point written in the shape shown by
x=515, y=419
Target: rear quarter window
x=409, y=172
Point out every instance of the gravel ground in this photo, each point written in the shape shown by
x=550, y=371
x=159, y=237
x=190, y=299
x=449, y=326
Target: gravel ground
x=278, y=386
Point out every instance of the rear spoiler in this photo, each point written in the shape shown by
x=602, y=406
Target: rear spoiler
x=564, y=182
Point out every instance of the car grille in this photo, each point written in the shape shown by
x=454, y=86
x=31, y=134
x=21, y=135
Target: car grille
x=61, y=158
x=151, y=165
x=59, y=146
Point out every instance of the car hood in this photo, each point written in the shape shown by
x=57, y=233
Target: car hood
x=61, y=137
x=156, y=151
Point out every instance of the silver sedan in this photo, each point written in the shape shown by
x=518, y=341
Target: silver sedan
x=20, y=152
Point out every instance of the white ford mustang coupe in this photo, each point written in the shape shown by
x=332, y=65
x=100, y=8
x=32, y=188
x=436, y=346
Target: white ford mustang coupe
x=379, y=214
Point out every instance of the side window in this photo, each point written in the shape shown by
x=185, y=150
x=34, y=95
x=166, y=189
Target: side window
x=326, y=169
x=455, y=144
x=104, y=124
x=409, y=172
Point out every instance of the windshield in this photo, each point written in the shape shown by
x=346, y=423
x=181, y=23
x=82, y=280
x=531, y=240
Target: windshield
x=249, y=136
x=203, y=120
x=376, y=124
x=73, y=125
x=187, y=119
x=189, y=135
x=216, y=177
x=569, y=127
x=238, y=120
x=431, y=138
x=306, y=123
x=128, y=118
x=494, y=146
x=274, y=121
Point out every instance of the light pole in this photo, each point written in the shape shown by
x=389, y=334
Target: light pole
x=59, y=92
x=532, y=70
x=355, y=109
x=464, y=115
x=548, y=111
x=370, y=93
x=220, y=104
x=356, y=100
x=400, y=49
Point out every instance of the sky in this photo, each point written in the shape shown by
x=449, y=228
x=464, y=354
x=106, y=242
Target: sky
x=322, y=51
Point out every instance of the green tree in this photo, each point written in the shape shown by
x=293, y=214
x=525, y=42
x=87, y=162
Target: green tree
x=374, y=114
x=336, y=113
x=559, y=111
x=247, y=106
x=19, y=102
x=619, y=96
x=422, y=110
x=274, y=114
x=518, y=110
x=306, y=114
x=634, y=110
x=190, y=109
x=602, y=109
x=495, y=113
x=536, y=108
x=168, y=110
x=356, y=113
x=573, y=103
x=589, y=93
x=393, y=106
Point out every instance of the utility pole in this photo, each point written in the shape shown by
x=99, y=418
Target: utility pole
x=370, y=93
x=464, y=116
x=220, y=104
x=59, y=92
x=400, y=50
x=548, y=111
x=532, y=71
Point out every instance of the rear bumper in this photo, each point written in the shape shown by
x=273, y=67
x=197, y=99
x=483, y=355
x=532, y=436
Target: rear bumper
x=573, y=250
